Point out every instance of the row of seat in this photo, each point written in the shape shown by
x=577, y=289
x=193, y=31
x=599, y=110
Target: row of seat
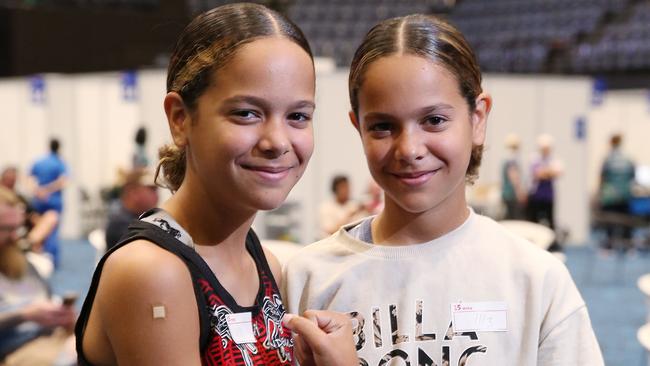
x=479, y=8
x=507, y=35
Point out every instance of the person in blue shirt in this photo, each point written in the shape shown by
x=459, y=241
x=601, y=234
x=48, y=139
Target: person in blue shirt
x=615, y=191
x=50, y=173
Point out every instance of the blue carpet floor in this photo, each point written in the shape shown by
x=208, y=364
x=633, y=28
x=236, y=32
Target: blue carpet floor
x=75, y=272
x=607, y=282
x=616, y=306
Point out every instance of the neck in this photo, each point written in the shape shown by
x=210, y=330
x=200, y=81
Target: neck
x=396, y=226
x=209, y=223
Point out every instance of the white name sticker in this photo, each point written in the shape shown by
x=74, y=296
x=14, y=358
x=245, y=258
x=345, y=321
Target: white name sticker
x=241, y=327
x=489, y=316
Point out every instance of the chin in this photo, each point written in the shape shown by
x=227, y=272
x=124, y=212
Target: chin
x=270, y=201
x=416, y=204
x=416, y=208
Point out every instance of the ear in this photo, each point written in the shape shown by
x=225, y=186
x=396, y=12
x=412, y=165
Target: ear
x=479, y=118
x=178, y=118
x=354, y=120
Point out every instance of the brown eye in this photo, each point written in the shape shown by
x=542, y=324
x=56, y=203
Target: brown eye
x=299, y=117
x=379, y=126
x=435, y=120
x=247, y=114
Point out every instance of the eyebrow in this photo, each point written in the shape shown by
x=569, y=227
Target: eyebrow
x=264, y=103
x=426, y=110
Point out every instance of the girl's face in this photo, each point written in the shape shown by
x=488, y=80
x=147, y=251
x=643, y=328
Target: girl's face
x=418, y=132
x=250, y=138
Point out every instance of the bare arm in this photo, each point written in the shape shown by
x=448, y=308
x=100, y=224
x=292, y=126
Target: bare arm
x=136, y=278
x=43, y=226
x=549, y=171
x=42, y=192
x=56, y=186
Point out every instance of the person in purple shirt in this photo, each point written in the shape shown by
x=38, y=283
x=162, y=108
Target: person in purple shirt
x=50, y=173
x=544, y=171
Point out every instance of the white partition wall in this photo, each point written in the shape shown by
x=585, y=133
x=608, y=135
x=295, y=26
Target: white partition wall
x=96, y=124
x=12, y=92
x=89, y=114
x=61, y=124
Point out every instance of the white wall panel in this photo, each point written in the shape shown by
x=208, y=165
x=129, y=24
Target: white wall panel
x=97, y=125
x=61, y=124
x=122, y=118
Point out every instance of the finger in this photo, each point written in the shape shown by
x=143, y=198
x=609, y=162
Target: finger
x=306, y=328
x=329, y=321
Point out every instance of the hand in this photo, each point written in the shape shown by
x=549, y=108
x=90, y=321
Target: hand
x=41, y=193
x=49, y=314
x=323, y=338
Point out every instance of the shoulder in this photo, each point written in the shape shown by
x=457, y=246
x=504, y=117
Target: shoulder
x=146, y=300
x=38, y=163
x=521, y=259
x=329, y=251
x=510, y=247
x=142, y=269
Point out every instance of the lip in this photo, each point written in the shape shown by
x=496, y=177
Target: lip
x=270, y=173
x=414, y=179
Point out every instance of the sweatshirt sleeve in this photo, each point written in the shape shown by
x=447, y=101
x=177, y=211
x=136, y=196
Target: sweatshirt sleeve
x=566, y=334
x=571, y=342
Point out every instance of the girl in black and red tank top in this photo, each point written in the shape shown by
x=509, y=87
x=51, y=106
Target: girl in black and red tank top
x=273, y=344
x=239, y=104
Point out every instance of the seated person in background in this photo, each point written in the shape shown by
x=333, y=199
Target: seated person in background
x=138, y=194
x=37, y=226
x=27, y=315
x=341, y=210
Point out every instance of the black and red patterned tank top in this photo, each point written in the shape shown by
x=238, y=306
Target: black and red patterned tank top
x=273, y=345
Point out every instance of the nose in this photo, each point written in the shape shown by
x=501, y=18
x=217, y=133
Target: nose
x=274, y=141
x=408, y=147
